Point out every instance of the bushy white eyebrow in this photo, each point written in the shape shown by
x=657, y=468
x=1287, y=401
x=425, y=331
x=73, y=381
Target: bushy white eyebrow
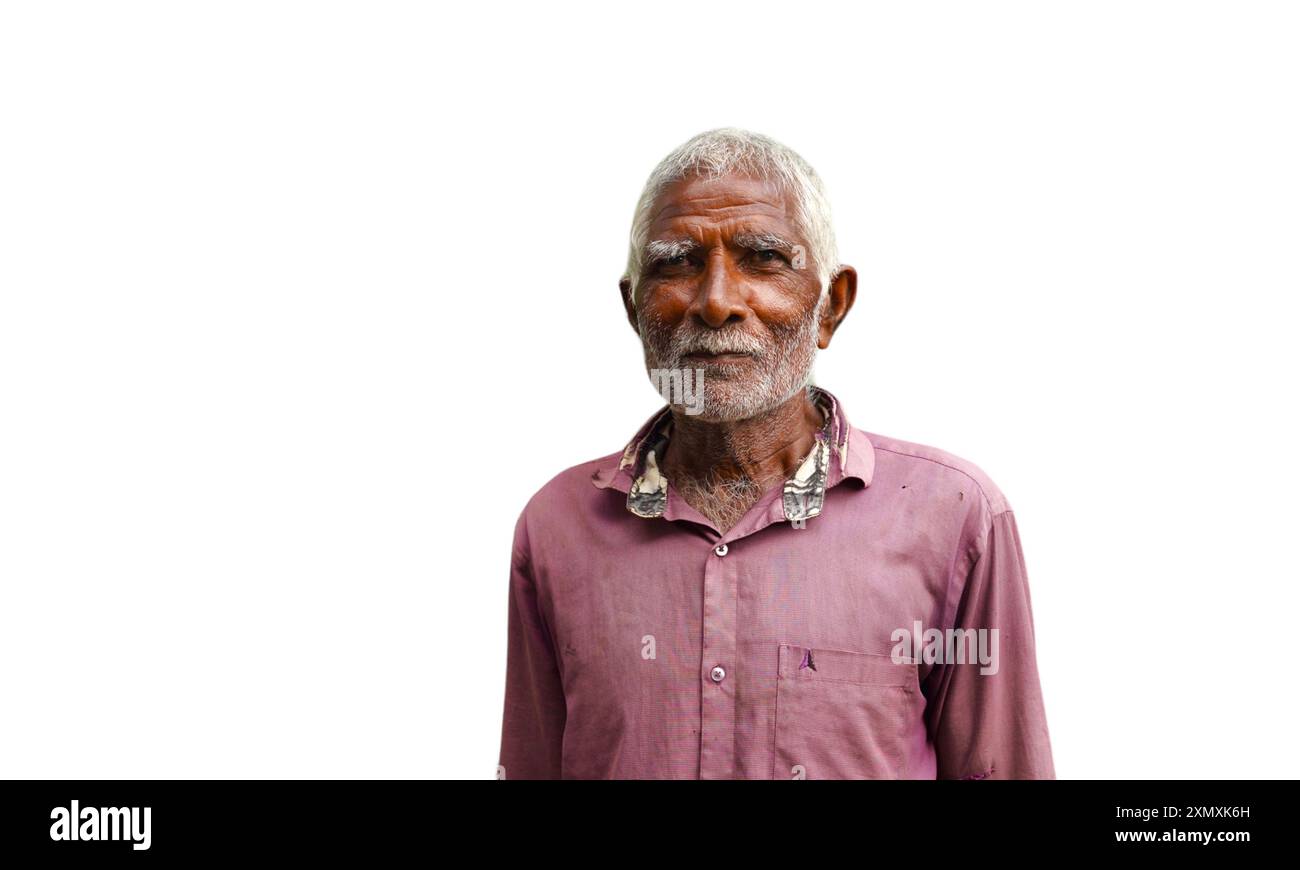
x=764, y=242
x=663, y=249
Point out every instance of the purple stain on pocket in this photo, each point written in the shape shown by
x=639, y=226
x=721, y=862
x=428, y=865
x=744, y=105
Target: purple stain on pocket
x=807, y=661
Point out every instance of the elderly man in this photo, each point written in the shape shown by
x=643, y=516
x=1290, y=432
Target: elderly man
x=753, y=588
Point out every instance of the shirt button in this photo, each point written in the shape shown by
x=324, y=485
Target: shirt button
x=717, y=674
x=721, y=549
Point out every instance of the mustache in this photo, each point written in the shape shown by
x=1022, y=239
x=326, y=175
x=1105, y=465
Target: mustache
x=687, y=340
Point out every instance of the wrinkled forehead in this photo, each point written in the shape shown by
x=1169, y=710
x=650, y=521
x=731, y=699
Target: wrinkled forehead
x=697, y=205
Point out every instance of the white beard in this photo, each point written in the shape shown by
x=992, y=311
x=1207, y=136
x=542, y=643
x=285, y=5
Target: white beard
x=783, y=364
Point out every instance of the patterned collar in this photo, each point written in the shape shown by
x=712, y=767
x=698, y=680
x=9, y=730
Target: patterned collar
x=832, y=458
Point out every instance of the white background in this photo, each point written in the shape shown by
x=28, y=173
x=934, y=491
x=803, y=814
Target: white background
x=301, y=303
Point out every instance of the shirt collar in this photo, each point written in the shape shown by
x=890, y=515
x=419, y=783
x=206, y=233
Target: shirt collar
x=840, y=452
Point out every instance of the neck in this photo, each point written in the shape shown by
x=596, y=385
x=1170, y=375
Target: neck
x=764, y=449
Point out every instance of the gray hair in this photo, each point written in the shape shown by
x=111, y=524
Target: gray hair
x=718, y=152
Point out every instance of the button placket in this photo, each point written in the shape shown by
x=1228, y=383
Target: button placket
x=718, y=700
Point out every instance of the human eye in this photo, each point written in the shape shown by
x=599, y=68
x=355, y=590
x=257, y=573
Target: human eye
x=768, y=257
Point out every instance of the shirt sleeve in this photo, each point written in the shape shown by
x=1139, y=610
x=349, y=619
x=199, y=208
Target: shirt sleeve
x=993, y=725
x=532, y=725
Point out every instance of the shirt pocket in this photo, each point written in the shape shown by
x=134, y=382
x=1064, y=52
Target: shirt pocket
x=841, y=714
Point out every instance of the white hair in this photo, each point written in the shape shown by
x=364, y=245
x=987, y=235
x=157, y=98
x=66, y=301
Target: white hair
x=726, y=150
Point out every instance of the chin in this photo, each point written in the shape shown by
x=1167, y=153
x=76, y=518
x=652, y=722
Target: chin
x=732, y=409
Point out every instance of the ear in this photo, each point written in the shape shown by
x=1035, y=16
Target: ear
x=625, y=293
x=843, y=291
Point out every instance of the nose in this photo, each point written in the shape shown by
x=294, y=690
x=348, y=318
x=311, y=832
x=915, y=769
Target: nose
x=719, y=300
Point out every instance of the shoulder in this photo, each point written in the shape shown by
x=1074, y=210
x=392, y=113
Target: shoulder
x=895, y=458
x=567, y=493
x=552, y=513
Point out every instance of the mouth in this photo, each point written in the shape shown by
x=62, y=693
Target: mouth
x=724, y=357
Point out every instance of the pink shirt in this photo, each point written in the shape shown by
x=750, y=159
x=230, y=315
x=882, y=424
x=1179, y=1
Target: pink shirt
x=834, y=633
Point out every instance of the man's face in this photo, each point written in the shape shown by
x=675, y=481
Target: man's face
x=728, y=288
